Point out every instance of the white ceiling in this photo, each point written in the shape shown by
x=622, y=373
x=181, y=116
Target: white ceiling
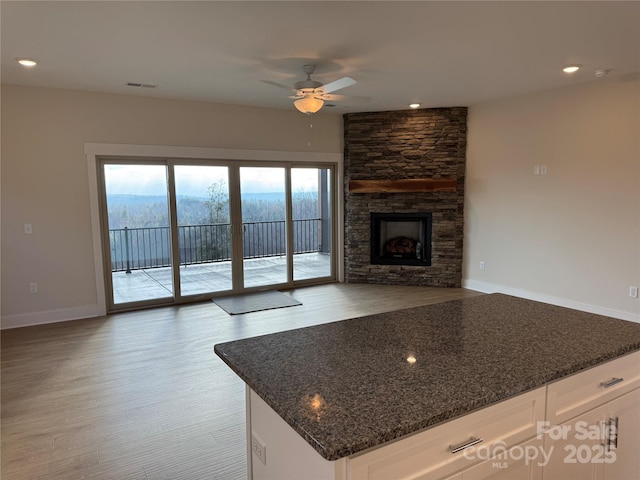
x=436, y=53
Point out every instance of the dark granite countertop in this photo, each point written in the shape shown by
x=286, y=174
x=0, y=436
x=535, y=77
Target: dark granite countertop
x=351, y=385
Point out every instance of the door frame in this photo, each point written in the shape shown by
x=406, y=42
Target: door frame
x=140, y=153
x=104, y=222
x=290, y=281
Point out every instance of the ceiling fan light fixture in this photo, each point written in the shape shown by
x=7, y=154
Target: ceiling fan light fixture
x=27, y=62
x=308, y=104
x=571, y=68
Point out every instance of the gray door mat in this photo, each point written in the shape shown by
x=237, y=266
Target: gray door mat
x=255, y=302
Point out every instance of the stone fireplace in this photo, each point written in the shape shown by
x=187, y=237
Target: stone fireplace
x=400, y=166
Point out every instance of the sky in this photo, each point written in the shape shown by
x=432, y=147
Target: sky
x=194, y=180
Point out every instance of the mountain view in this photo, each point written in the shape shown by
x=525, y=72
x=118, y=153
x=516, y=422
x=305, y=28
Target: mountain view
x=138, y=211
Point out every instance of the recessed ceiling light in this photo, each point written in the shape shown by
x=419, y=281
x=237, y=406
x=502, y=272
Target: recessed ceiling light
x=27, y=62
x=571, y=68
x=414, y=105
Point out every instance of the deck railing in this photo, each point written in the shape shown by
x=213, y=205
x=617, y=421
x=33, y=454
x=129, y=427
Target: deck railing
x=150, y=247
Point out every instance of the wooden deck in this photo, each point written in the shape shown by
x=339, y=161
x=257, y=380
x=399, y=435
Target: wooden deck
x=142, y=396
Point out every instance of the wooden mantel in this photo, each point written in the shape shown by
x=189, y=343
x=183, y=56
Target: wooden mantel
x=407, y=185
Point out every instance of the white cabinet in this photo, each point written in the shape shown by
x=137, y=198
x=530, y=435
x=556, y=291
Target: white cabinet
x=285, y=454
x=562, y=443
x=440, y=451
x=576, y=394
x=625, y=413
x=593, y=422
x=428, y=455
x=563, y=424
x=601, y=444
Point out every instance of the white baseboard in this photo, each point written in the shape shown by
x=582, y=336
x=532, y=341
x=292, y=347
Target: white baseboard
x=89, y=311
x=51, y=316
x=485, y=287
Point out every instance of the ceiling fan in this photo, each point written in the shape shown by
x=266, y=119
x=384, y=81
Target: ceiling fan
x=309, y=95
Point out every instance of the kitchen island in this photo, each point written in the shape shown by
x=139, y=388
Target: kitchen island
x=371, y=397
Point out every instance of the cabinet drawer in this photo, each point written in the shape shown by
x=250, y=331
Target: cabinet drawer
x=583, y=391
x=426, y=455
x=506, y=468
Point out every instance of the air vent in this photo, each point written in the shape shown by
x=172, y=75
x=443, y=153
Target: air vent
x=140, y=85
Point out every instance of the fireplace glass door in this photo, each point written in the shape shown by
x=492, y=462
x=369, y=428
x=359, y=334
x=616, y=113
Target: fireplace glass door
x=401, y=238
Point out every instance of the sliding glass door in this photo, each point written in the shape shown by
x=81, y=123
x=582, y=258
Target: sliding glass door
x=312, y=222
x=204, y=228
x=264, y=226
x=177, y=231
x=136, y=207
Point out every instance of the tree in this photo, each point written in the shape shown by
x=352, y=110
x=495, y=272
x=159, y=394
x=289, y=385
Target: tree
x=218, y=203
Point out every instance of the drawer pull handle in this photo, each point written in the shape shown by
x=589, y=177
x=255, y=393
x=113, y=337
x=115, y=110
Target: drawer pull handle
x=461, y=446
x=612, y=382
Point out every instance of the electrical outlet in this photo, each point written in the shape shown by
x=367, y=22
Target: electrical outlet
x=633, y=292
x=28, y=229
x=33, y=287
x=543, y=169
x=482, y=265
x=259, y=448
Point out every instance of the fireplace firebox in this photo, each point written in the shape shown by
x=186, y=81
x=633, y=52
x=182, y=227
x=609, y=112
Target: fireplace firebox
x=401, y=238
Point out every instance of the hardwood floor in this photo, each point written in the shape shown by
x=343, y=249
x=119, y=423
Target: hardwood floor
x=141, y=395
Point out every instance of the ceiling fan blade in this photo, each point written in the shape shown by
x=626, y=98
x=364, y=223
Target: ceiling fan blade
x=338, y=84
x=279, y=85
x=332, y=97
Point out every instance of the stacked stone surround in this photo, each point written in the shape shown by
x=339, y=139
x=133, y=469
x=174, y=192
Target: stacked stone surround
x=408, y=144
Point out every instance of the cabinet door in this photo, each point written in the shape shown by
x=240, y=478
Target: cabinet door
x=627, y=462
x=570, y=453
x=588, y=447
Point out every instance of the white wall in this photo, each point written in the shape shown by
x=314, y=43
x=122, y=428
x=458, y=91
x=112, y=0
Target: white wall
x=571, y=237
x=45, y=178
